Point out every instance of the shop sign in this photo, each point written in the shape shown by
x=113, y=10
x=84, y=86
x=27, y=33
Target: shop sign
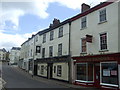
x=114, y=72
x=106, y=72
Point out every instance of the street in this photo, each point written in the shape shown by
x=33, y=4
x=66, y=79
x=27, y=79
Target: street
x=15, y=79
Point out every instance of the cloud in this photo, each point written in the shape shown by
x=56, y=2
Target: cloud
x=8, y=41
x=13, y=9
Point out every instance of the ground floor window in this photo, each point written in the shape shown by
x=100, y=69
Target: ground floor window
x=109, y=73
x=85, y=71
x=59, y=70
x=30, y=65
x=42, y=69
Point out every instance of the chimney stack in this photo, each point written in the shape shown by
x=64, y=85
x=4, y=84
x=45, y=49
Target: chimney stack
x=84, y=7
x=55, y=22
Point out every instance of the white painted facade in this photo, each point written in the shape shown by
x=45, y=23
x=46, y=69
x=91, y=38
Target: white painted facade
x=2, y=54
x=14, y=56
x=95, y=28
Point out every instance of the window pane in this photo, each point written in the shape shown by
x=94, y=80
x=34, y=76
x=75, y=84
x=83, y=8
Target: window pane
x=90, y=72
x=110, y=73
x=81, y=72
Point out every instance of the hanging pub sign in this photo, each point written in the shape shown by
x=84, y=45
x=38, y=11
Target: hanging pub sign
x=89, y=38
x=38, y=49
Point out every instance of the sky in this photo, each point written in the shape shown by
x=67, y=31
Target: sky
x=19, y=19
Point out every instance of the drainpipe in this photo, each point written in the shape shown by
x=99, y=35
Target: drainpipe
x=70, y=61
x=33, y=54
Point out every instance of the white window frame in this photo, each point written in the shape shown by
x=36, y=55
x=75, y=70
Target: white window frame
x=105, y=16
x=85, y=17
x=81, y=45
x=101, y=75
x=100, y=42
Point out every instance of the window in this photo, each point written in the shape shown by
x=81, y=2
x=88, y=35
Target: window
x=51, y=51
x=102, y=15
x=51, y=35
x=54, y=69
x=42, y=69
x=38, y=49
x=103, y=41
x=36, y=38
x=109, y=73
x=83, y=44
x=44, y=38
x=85, y=71
x=59, y=70
x=43, y=52
x=59, y=49
x=83, y=22
x=60, y=32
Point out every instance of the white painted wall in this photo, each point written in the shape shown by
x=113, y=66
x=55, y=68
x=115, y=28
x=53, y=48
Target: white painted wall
x=14, y=56
x=94, y=29
x=64, y=74
x=64, y=40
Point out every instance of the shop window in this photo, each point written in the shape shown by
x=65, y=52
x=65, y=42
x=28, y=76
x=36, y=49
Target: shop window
x=109, y=73
x=85, y=71
x=42, y=69
x=59, y=70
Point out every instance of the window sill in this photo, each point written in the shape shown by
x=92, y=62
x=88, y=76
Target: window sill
x=83, y=28
x=83, y=53
x=102, y=22
x=109, y=84
x=106, y=50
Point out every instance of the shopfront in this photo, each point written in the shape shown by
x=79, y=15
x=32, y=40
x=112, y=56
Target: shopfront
x=100, y=71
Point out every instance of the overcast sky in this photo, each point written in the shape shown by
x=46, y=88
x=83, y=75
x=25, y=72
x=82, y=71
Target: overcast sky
x=21, y=18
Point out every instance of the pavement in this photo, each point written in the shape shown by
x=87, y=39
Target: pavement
x=45, y=80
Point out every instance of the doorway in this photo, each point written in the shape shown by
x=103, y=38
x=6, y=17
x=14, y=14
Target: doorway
x=97, y=74
x=49, y=70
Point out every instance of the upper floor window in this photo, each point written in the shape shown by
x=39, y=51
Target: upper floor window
x=60, y=32
x=36, y=38
x=59, y=49
x=83, y=22
x=38, y=49
x=103, y=41
x=43, y=52
x=51, y=35
x=51, y=51
x=83, y=44
x=102, y=14
x=44, y=38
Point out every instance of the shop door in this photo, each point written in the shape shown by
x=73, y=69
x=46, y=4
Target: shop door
x=49, y=70
x=97, y=75
x=35, y=69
